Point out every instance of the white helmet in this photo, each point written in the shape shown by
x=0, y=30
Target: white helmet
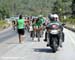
x=56, y=17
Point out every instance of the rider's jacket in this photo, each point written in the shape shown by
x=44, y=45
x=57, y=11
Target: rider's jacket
x=55, y=22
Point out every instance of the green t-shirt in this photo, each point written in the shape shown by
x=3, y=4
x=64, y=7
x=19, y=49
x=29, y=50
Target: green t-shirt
x=20, y=23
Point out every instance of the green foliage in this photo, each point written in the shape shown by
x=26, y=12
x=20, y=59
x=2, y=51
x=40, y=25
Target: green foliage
x=68, y=20
x=33, y=7
x=57, y=6
x=73, y=8
x=25, y=7
x=62, y=7
x=2, y=22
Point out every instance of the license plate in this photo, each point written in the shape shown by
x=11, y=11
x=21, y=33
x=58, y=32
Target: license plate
x=54, y=31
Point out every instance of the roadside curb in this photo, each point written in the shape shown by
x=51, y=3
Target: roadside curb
x=5, y=29
x=72, y=29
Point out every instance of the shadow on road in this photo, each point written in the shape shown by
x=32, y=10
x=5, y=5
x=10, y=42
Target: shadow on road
x=46, y=50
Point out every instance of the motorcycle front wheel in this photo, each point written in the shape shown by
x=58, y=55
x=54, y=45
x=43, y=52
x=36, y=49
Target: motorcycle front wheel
x=54, y=44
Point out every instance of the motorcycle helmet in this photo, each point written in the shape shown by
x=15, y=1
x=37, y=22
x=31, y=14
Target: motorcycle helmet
x=55, y=17
x=50, y=16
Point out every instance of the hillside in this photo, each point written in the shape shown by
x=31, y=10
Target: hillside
x=29, y=7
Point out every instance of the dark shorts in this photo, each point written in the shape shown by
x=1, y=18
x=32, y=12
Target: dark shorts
x=20, y=31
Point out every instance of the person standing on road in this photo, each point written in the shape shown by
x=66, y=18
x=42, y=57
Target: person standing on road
x=20, y=28
x=13, y=24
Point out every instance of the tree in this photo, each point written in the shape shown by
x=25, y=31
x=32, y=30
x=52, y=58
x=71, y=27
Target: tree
x=57, y=8
x=26, y=7
x=73, y=8
x=62, y=7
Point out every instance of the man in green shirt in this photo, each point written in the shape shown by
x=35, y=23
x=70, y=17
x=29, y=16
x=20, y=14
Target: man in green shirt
x=20, y=28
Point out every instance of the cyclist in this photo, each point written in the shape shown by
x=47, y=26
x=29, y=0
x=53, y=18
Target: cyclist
x=38, y=25
x=32, y=28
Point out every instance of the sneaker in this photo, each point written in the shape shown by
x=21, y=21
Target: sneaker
x=32, y=38
x=45, y=40
x=47, y=45
x=38, y=40
x=61, y=46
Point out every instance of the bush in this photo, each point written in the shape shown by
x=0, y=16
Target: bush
x=68, y=20
x=2, y=23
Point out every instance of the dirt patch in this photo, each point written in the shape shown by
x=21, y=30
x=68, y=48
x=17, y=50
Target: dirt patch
x=4, y=27
x=70, y=27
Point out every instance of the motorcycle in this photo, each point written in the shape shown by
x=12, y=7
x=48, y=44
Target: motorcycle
x=55, y=35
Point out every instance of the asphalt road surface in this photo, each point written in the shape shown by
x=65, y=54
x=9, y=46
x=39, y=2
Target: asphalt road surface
x=10, y=49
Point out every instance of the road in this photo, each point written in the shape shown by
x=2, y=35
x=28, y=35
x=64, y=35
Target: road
x=10, y=49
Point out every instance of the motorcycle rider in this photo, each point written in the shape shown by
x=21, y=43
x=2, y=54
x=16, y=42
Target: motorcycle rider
x=50, y=16
x=54, y=18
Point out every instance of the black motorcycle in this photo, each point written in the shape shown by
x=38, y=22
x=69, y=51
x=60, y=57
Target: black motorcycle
x=55, y=35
